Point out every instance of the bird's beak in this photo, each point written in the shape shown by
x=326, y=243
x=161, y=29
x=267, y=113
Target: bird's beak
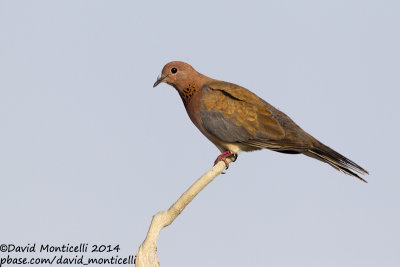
x=160, y=79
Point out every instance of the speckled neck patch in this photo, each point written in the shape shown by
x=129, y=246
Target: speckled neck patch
x=187, y=93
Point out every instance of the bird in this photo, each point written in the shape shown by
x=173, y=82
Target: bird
x=236, y=120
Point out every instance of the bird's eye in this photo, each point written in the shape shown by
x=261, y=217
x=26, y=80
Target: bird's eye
x=174, y=70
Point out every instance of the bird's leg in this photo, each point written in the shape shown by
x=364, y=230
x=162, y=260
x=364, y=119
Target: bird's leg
x=223, y=157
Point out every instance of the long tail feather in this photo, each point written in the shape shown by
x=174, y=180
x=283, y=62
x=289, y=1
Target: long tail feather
x=336, y=160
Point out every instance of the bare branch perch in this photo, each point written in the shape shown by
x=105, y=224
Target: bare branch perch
x=147, y=253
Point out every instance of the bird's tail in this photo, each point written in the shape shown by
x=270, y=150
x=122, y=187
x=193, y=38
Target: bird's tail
x=339, y=162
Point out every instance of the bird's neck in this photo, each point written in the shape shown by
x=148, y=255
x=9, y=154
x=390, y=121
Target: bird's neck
x=192, y=87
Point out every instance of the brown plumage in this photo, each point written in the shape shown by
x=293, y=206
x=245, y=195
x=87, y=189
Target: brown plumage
x=235, y=119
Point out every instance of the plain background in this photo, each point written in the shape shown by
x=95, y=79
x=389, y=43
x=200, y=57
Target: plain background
x=89, y=151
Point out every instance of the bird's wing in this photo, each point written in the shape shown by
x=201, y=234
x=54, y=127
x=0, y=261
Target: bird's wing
x=234, y=114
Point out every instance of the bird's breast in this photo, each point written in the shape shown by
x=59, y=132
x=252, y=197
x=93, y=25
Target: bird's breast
x=193, y=109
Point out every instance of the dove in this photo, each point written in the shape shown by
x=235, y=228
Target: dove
x=234, y=119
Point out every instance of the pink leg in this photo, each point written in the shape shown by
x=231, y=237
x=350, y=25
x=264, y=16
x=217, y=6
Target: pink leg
x=223, y=157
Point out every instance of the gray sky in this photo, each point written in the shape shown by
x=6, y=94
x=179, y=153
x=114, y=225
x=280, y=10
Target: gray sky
x=89, y=151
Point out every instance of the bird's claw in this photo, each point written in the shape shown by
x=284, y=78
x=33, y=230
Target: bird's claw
x=223, y=158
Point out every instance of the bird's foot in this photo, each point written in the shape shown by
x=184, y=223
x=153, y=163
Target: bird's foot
x=223, y=158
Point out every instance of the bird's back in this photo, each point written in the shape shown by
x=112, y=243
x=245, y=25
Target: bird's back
x=236, y=115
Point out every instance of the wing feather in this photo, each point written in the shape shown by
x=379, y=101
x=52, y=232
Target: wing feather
x=234, y=114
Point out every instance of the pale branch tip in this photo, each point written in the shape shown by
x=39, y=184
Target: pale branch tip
x=147, y=252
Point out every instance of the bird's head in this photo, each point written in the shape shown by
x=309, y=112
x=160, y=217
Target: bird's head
x=178, y=74
x=184, y=78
